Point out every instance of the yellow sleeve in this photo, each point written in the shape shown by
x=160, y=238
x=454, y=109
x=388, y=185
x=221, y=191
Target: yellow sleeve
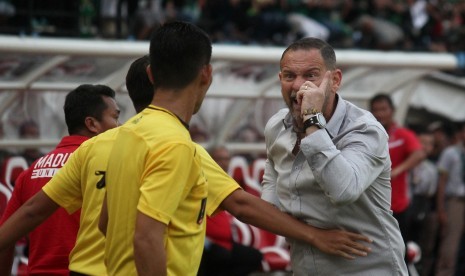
x=65, y=186
x=220, y=184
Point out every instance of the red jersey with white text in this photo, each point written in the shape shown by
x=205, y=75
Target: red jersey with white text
x=402, y=142
x=51, y=242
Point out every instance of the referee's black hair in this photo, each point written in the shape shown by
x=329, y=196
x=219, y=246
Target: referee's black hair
x=178, y=51
x=140, y=89
x=85, y=101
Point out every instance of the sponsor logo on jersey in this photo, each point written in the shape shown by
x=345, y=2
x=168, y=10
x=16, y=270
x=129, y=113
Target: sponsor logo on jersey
x=48, y=165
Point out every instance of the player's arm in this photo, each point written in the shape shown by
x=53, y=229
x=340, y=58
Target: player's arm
x=14, y=203
x=148, y=242
x=103, y=221
x=415, y=156
x=253, y=210
x=412, y=160
x=26, y=218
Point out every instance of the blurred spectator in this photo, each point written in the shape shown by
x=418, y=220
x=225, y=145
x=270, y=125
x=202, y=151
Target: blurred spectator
x=423, y=219
x=147, y=18
x=424, y=27
x=332, y=15
x=222, y=156
x=7, y=11
x=125, y=11
x=182, y=10
x=30, y=130
x=226, y=21
x=87, y=15
x=454, y=26
x=222, y=255
x=4, y=154
x=444, y=135
x=304, y=26
x=270, y=22
x=435, y=27
x=301, y=24
x=382, y=25
x=198, y=135
x=248, y=134
x=405, y=151
x=412, y=25
x=451, y=203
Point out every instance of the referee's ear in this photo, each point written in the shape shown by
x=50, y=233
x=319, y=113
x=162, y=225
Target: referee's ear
x=149, y=73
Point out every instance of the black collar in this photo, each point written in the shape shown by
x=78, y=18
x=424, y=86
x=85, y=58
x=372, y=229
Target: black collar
x=186, y=125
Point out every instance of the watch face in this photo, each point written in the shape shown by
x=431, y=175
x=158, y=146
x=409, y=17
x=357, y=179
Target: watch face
x=315, y=120
x=321, y=120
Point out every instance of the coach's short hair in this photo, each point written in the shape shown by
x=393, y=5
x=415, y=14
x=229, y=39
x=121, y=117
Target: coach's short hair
x=309, y=43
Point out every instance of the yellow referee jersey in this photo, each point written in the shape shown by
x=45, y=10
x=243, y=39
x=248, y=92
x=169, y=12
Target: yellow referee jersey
x=75, y=187
x=154, y=168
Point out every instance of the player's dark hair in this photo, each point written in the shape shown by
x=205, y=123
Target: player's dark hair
x=85, y=101
x=140, y=89
x=178, y=51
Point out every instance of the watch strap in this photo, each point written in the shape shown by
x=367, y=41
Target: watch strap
x=312, y=121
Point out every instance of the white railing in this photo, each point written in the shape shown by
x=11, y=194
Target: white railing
x=132, y=49
x=60, y=50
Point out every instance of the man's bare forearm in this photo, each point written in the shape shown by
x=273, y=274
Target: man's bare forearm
x=26, y=218
x=255, y=211
x=413, y=160
x=149, y=250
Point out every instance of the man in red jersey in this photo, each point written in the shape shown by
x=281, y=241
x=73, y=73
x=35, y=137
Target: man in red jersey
x=89, y=110
x=405, y=151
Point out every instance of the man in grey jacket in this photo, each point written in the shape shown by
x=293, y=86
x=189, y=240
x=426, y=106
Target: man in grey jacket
x=328, y=165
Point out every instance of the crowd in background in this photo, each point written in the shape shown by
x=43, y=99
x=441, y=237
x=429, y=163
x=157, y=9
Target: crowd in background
x=28, y=129
x=435, y=185
x=413, y=25
x=366, y=24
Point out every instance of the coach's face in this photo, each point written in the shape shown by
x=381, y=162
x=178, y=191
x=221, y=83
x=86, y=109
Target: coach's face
x=297, y=67
x=306, y=67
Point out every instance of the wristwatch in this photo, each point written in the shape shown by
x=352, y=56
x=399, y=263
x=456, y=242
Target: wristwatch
x=316, y=120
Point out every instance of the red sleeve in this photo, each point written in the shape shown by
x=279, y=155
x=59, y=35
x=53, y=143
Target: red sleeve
x=413, y=143
x=16, y=201
x=219, y=229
